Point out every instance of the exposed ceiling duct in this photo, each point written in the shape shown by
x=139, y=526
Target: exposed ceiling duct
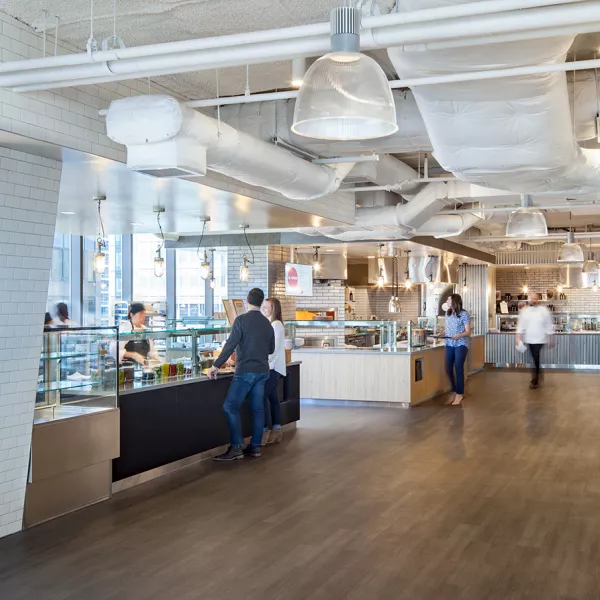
x=513, y=134
x=164, y=136
x=404, y=221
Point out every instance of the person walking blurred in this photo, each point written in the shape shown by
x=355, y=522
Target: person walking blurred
x=535, y=329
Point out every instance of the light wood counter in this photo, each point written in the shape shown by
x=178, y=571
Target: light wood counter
x=372, y=376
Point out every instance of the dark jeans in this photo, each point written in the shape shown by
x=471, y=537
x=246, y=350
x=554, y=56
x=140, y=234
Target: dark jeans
x=455, y=361
x=243, y=385
x=535, y=350
x=272, y=399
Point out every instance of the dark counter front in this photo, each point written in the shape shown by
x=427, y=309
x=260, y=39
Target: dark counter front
x=162, y=425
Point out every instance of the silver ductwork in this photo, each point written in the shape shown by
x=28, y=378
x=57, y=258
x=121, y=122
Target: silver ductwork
x=421, y=269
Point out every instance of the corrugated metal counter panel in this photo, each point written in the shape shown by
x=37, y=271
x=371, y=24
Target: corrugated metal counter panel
x=570, y=350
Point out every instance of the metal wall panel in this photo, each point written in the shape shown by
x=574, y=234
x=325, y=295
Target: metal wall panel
x=475, y=297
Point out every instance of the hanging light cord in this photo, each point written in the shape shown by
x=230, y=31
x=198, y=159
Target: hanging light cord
x=201, y=238
x=249, y=246
x=101, y=234
x=162, y=235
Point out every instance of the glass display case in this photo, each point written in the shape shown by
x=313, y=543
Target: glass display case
x=432, y=325
x=77, y=373
x=563, y=322
x=175, y=354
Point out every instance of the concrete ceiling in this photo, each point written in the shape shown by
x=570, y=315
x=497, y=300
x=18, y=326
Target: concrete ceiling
x=141, y=22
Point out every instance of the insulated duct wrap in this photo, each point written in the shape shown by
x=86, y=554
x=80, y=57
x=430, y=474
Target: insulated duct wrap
x=511, y=134
x=149, y=126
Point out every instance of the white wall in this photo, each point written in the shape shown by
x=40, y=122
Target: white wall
x=28, y=201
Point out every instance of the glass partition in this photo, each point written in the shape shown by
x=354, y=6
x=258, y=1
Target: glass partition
x=77, y=373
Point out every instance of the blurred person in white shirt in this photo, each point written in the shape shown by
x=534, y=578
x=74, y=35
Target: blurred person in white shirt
x=535, y=329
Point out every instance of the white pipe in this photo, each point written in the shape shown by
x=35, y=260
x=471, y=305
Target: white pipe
x=507, y=209
x=445, y=226
x=154, y=65
x=580, y=65
x=273, y=35
x=397, y=186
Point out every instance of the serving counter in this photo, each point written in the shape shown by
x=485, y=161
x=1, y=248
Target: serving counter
x=571, y=350
x=402, y=377
x=167, y=424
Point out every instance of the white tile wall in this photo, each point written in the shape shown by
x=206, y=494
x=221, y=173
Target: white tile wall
x=28, y=201
x=277, y=257
x=541, y=280
x=373, y=301
x=258, y=272
x=325, y=295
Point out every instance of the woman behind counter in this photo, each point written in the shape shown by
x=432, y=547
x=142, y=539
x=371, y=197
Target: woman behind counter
x=271, y=308
x=136, y=351
x=458, y=330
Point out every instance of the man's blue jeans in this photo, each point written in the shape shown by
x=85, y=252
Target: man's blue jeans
x=243, y=385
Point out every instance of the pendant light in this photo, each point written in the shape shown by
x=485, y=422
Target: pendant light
x=392, y=302
x=316, y=261
x=212, y=282
x=526, y=221
x=570, y=252
x=465, y=285
x=381, y=277
x=159, y=261
x=244, y=270
x=204, y=264
x=345, y=95
x=595, y=287
x=407, y=280
x=590, y=266
x=99, y=254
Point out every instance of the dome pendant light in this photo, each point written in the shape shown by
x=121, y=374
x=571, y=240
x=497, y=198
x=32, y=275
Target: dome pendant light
x=526, y=221
x=345, y=95
x=570, y=252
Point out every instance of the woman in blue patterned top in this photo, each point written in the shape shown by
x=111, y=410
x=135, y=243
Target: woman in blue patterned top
x=458, y=330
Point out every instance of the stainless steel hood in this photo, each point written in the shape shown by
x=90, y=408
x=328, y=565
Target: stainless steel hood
x=421, y=269
x=332, y=266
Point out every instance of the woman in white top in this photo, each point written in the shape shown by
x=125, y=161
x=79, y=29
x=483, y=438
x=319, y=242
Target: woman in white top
x=137, y=350
x=271, y=308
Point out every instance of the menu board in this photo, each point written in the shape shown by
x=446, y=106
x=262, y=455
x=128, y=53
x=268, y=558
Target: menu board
x=298, y=280
x=233, y=308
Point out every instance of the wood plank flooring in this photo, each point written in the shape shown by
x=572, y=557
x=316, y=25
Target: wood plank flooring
x=499, y=500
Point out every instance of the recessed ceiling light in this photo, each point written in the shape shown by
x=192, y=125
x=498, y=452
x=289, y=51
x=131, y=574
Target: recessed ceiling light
x=67, y=212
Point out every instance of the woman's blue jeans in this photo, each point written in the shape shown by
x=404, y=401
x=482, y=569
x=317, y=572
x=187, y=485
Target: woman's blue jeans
x=455, y=361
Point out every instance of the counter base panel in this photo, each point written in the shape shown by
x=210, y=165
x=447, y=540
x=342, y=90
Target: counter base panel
x=165, y=425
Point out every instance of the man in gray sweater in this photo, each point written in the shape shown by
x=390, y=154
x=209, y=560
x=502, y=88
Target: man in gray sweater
x=252, y=339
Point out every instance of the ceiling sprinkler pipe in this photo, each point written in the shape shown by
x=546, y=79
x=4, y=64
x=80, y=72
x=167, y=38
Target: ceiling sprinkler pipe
x=154, y=63
x=273, y=35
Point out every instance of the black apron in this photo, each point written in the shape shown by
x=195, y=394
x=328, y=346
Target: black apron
x=140, y=346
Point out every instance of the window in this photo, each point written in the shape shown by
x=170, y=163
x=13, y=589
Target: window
x=101, y=292
x=190, y=288
x=146, y=286
x=59, y=288
x=220, y=271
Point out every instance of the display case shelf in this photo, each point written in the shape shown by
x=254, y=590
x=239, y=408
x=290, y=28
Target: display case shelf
x=66, y=385
x=62, y=355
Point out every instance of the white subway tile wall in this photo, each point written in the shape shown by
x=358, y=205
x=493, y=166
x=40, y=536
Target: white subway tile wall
x=542, y=280
x=328, y=295
x=258, y=272
x=373, y=301
x=28, y=202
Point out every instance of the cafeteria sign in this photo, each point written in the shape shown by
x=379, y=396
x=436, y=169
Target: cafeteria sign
x=298, y=280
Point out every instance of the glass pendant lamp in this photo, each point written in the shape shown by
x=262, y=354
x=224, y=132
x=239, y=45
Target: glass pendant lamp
x=570, y=252
x=527, y=221
x=345, y=95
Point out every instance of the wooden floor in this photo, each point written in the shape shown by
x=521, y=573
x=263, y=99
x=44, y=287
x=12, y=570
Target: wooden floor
x=496, y=501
